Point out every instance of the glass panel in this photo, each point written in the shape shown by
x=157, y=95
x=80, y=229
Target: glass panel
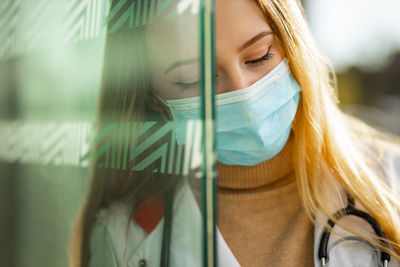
x=100, y=154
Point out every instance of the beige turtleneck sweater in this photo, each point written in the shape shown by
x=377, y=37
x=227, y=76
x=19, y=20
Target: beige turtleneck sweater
x=260, y=214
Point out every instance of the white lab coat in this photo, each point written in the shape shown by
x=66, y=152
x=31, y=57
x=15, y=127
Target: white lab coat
x=113, y=246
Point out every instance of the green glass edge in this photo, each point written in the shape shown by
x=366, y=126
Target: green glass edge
x=208, y=116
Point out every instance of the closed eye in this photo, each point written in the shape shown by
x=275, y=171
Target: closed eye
x=267, y=56
x=185, y=86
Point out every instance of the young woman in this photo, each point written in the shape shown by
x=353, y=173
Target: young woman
x=288, y=158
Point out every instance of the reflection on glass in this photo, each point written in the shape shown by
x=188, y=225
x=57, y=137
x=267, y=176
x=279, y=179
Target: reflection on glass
x=89, y=147
x=140, y=202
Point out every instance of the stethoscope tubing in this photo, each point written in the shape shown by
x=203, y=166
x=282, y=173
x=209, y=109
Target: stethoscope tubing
x=323, y=246
x=350, y=210
x=167, y=230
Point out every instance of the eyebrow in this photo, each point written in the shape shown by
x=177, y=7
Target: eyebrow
x=195, y=60
x=180, y=63
x=254, y=39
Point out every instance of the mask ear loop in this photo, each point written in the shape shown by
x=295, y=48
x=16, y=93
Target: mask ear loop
x=156, y=101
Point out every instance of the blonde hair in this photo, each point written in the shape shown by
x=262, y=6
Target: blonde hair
x=326, y=136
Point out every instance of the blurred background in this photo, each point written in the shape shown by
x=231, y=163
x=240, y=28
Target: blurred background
x=362, y=38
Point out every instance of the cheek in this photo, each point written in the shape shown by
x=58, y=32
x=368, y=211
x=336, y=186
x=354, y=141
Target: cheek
x=163, y=88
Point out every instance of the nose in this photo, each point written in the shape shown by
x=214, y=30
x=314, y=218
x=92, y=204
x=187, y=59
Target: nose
x=235, y=78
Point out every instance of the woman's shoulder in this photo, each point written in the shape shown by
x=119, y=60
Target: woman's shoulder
x=373, y=141
x=102, y=252
x=115, y=215
x=383, y=155
x=112, y=235
x=385, y=147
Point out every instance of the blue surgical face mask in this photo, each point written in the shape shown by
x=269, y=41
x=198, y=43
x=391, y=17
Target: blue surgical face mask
x=253, y=124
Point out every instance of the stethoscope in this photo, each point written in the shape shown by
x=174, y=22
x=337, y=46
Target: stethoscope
x=167, y=230
x=323, y=245
x=350, y=210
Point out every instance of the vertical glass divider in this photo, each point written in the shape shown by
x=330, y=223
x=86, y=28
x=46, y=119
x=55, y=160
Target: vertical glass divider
x=208, y=141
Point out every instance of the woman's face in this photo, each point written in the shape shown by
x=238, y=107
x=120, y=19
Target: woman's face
x=246, y=50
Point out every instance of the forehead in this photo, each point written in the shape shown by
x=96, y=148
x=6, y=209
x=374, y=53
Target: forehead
x=170, y=40
x=244, y=18
x=233, y=18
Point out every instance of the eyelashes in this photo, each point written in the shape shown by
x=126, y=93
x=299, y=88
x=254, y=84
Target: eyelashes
x=267, y=56
x=185, y=86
